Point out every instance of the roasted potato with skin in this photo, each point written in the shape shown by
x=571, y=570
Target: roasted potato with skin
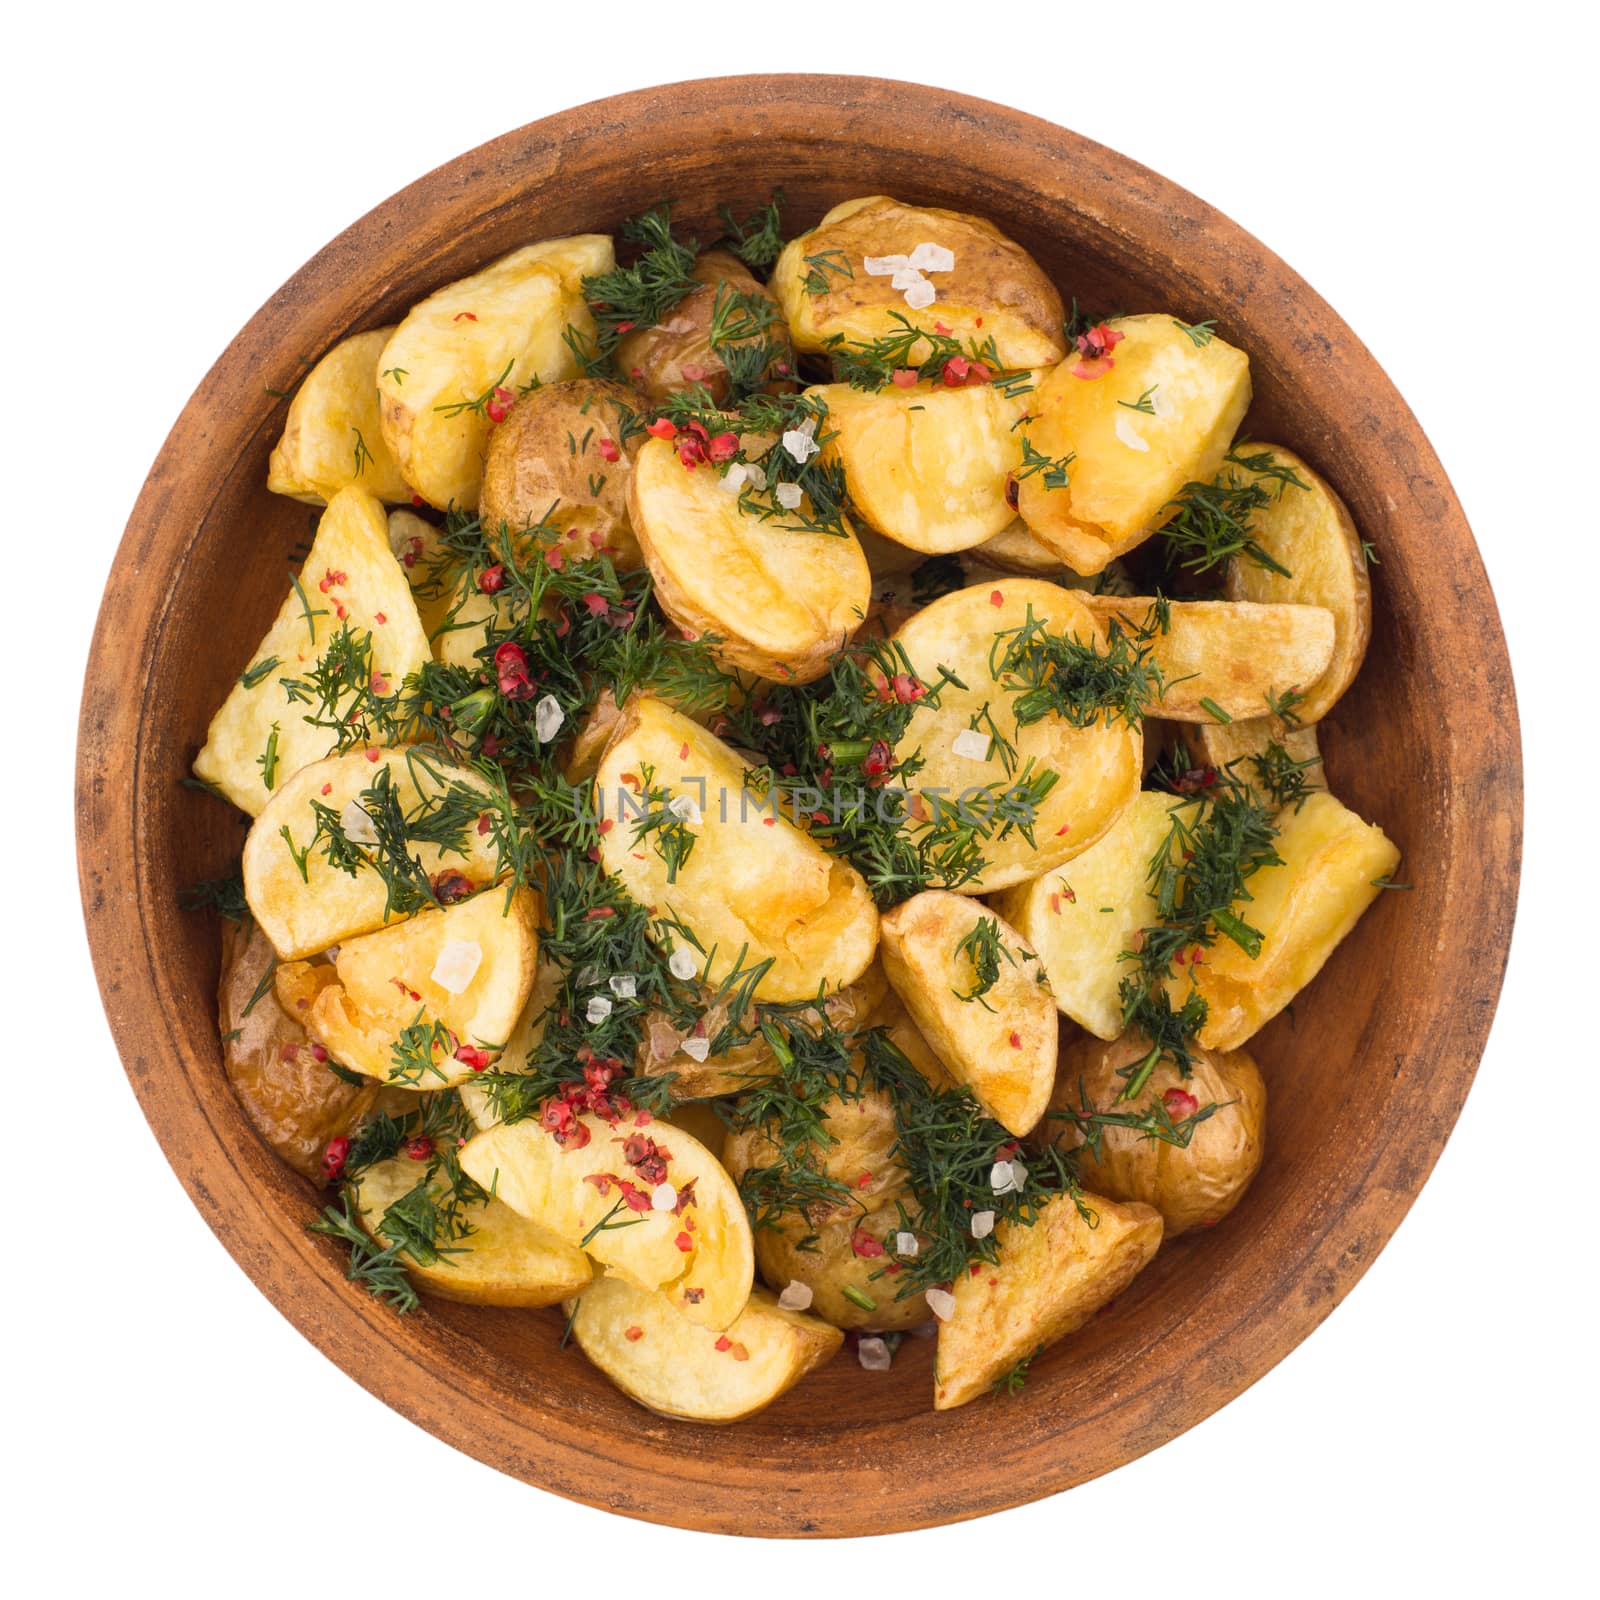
x=561, y=462
x=677, y=1368
x=1000, y=1040
x=505, y=1261
x=697, y=1251
x=677, y=352
x=1097, y=766
x=828, y=1262
x=1242, y=744
x=475, y=344
x=1125, y=461
x=1051, y=1278
x=1082, y=916
x=777, y=601
x=260, y=737
x=1233, y=655
x=753, y=885
x=466, y=970
x=994, y=290
x=926, y=466
x=1302, y=909
x=1192, y=1185
x=1016, y=548
x=303, y=914
x=1309, y=531
x=333, y=435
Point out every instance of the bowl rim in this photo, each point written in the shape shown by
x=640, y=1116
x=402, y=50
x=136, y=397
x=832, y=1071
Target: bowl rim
x=346, y=1324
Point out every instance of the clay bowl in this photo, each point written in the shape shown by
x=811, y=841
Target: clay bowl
x=1369, y=1077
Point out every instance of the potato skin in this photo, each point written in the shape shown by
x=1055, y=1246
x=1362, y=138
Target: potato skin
x=1192, y=1187
x=546, y=458
x=829, y=1265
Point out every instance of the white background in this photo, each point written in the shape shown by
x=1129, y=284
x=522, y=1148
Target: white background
x=1431, y=175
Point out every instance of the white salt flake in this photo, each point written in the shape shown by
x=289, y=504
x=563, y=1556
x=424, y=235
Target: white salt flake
x=982, y=1224
x=696, y=1049
x=788, y=495
x=921, y=295
x=624, y=986
x=548, y=718
x=809, y=427
x=1007, y=1177
x=733, y=480
x=682, y=806
x=663, y=1197
x=754, y=476
x=906, y=278
x=874, y=1355
x=941, y=1303
x=971, y=744
x=905, y=1244
x=800, y=445
x=598, y=1009
x=458, y=963
x=682, y=963
x=357, y=824
x=1129, y=434
x=882, y=266
x=933, y=258
x=797, y=1297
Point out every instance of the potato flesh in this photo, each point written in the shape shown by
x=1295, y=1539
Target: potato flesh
x=1002, y=1044
x=501, y=326
x=926, y=466
x=701, y=1257
x=386, y=985
x=505, y=1261
x=333, y=434
x=675, y=1367
x=1234, y=655
x=1192, y=1186
x=350, y=578
x=1331, y=861
x=1127, y=465
x=1309, y=531
x=1098, y=766
x=1242, y=744
x=781, y=602
x=747, y=888
x=1051, y=1278
x=303, y=916
x=994, y=291
x=1081, y=917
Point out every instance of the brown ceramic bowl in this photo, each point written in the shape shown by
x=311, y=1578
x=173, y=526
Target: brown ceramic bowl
x=1367, y=1080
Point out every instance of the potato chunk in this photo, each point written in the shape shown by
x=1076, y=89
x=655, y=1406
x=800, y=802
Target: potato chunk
x=1097, y=767
x=842, y=1263
x=1302, y=909
x=304, y=913
x=428, y=1002
x=994, y=290
x=260, y=737
x=1309, y=532
x=1052, y=1277
x=939, y=950
x=597, y=1190
x=1123, y=462
x=1245, y=746
x=779, y=601
x=1016, y=548
x=505, y=1261
x=678, y=1368
x=926, y=466
x=500, y=329
x=1081, y=917
x=333, y=435
x=1192, y=1185
x=752, y=886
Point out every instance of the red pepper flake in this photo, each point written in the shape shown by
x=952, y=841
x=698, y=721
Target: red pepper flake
x=595, y=913
x=466, y=316
x=334, y=1156
x=327, y=788
x=319, y=1053
x=738, y=1351
x=863, y=1244
x=499, y=403
x=596, y=604
x=685, y=1199
x=330, y=577
x=413, y=547
x=372, y=755
x=663, y=428
x=878, y=759
x=723, y=1342
x=492, y=579
x=491, y=745
x=1011, y=491
x=864, y=1179
x=485, y=823
x=996, y=598
x=1066, y=827
x=626, y=327
x=469, y=1055
x=633, y=1334
x=904, y=377
x=1094, y=350
x=420, y=1148
x=1016, y=1041
x=646, y=1157
x=511, y=670
x=724, y=447
x=606, y=825
x=405, y=988
x=419, y=503
x=684, y=1243
x=607, y=449
x=691, y=450
x=955, y=372
x=978, y=323
x=1070, y=893
x=1195, y=779
x=451, y=885
x=939, y=327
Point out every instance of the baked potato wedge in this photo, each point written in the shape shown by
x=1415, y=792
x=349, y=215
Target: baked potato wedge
x=333, y=434
x=596, y=1190
x=1333, y=865
x=775, y=600
x=926, y=466
x=731, y=315
x=1112, y=439
x=305, y=908
x=1192, y=1185
x=426, y=1003
x=505, y=1260
x=751, y=886
x=842, y=1263
x=1310, y=533
x=561, y=462
x=979, y=995
x=1016, y=548
x=992, y=290
x=679, y=1368
x=1246, y=747
x=261, y=736
x=973, y=633
x=1052, y=1277
x=472, y=346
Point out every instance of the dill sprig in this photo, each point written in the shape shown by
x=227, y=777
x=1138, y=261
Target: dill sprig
x=869, y=364
x=758, y=239
x=983, y=948
x=1211, y=522
x=641, y=293
x=1056, y=674
x=378, y=1267
x=225, y=896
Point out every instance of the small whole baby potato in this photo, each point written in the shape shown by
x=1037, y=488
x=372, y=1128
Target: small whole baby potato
x=695, y=339
x=561, y=458
x=1192, y=1186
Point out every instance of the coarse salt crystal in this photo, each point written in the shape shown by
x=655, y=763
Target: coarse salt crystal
x=624, y=986
x=458, y=963
x=941, y=1303
x=733, y=480
x=788, y=496
x=874, y=1355
x=905, y=1244
x=681, y=963
x=696, y=1049
x=800, y=445
x=1007, y=1177
x=357, y=824
x=598, y=1009
x=882, y=266
x=663, y=1197
x=933, y=258
x=906, y=278
x=797, y=1297
x=971, y=744
x=982, y=1224
x=1129, y=434
x=547, y=718
x=682, y=806
x=921, y=295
